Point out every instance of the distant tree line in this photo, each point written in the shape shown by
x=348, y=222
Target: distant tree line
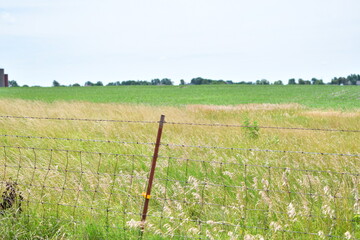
x=349, y=80
x=156, y=81
x=352, y=79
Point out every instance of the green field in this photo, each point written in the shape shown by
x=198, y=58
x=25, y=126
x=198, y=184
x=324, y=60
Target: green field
x=326, y=97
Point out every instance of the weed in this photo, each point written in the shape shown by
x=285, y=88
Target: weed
x=251, y=129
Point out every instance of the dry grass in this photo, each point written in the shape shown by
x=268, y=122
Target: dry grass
x=271, y=202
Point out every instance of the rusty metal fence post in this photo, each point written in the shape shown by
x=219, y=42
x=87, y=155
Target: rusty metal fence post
x=147, y=195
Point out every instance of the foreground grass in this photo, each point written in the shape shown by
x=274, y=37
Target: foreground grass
x=336, y=97
x=198, y=192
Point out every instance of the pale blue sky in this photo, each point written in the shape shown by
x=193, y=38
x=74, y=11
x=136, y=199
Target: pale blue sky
x=113, y=40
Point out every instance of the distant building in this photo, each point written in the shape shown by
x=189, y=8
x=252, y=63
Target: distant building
x=4, y=78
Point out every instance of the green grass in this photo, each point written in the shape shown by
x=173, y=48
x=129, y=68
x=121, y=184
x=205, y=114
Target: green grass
x=326, y=97
x=242, y=195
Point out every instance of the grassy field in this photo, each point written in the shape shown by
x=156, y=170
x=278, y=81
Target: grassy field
x=87, y=192
x=336, y=97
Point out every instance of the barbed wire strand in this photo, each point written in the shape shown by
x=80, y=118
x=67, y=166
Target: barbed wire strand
x=79, y=119
x=76, y=139
x=268, y=127
x=259, y=150
x=187, y=146
x=181, y=123
x=75, y=151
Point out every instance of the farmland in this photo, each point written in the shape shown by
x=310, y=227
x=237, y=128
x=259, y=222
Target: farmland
x=335, y=97
x=211, y=181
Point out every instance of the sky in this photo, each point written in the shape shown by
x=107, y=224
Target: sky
x=74, y=41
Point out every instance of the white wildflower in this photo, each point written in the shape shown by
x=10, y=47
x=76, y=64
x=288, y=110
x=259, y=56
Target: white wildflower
x=265, y=183
x=255, y=182
x=232, y=236
x=275, y=226
x=169, y=229
x=327, y=190
x=284, y=177
x=133, y=223
x=291, y=211
x=326, y=209
x=321, y=234
x=193, y=181
x=196, y=195
x=227, y=173
x=208, y=234
x=193, y=230
x=178, y=206
x=249, y=237
x=260, y=237
x=347, y=235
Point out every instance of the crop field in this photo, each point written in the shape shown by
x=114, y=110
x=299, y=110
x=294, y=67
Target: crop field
x=329, y=97
x=77, y=178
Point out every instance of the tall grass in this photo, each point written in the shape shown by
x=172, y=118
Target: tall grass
x=224, y=194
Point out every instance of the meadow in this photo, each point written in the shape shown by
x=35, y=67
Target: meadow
x=323, y=96
x=78, y=189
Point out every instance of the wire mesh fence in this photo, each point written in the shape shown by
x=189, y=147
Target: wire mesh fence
x=199, y=191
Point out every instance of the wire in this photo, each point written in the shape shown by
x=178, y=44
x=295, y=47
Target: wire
x=184, y=123
x=79, y=119
x=269, y=127
x=258, y=150
x=77, y=151
x=75, y=139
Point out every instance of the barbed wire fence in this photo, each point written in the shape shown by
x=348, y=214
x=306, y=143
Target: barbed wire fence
x=203, y=197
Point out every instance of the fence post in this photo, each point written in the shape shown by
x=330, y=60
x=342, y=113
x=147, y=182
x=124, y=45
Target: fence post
x=147, y=195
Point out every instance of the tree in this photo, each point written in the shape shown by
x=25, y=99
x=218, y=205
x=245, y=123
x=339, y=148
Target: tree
x=278, y=82
x=166, y=81
x=13, y=83
x=182, y=82
x=76, y=85
x=155, y=81
x=99, y=83
x=291, y=81
x=262, y=82
x=56, y=83
x=88, y=84
x=301, y=81
x=316, y=81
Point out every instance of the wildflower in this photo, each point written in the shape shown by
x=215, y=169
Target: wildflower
x=291, y=211
x=275, y=226
x=249, y=237
x=347, y=235
x=232, y=236
x=208, y=234
x=133, y=224
x=227, y=173
x=326, y=209
x=193, y=230
x=327, y=190
x=255, y=182
x=321, y=234
x=265, y=183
